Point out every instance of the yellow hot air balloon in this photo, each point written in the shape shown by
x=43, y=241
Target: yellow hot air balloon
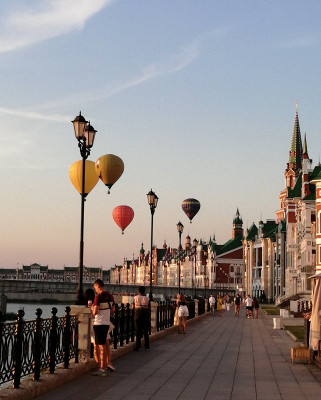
x=75, y=175
x=109, y=168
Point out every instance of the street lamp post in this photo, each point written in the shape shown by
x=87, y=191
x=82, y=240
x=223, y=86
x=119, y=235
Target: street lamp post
x=85, y=134
x=195, y=243
x=180, y=228
x=152, y=201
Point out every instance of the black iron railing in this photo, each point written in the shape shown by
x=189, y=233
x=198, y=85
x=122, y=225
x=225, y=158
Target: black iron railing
x=201, y=306
x=165, y=315
x=123, y=320
x=191, y=309
x=27, y=347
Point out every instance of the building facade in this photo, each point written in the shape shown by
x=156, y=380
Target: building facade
x=37, y=272
x=280, y=255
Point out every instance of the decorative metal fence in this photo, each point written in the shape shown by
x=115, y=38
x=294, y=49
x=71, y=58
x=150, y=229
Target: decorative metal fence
x=191, y=309
x=27, y=347
x=201, y=306
x=165, y=315
x=123, y=320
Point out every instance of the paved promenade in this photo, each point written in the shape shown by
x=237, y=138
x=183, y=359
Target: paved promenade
x=219, y=358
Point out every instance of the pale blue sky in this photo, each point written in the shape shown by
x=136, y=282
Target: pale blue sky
x=197, y=98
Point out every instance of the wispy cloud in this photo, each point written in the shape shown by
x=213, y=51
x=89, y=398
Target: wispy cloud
x=171, y=65
x=51, y=18
x=33, y=115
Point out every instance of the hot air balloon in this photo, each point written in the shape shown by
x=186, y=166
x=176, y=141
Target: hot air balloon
x=109, y=169
x=191, y=208
x=123, y=216
x=75, y=175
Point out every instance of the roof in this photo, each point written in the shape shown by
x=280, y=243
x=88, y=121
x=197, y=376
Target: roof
x=230, y=245
x=8, y=271
x=56, y=271
x=237, y=219
x=270, y=229
x=252, y=232
x=161, y=254
x=296, y=191
x=71, y=269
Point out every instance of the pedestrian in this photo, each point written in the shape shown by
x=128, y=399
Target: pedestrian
x=141, y=307
x=211, y=300
x=256, y=306
x=102, y=307
x=182, y=313
x=219, y=306
x=249, y=306
x=237, y=305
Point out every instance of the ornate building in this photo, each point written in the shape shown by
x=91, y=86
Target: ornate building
x=280, y=255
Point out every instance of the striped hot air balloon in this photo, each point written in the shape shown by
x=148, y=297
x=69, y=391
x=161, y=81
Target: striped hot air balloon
x=191, y=208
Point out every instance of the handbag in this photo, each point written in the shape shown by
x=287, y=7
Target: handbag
x=176, y=318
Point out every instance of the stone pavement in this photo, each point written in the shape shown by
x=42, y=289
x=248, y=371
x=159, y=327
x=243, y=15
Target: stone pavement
x=219, y=358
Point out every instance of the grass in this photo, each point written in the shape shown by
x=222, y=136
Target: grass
x=269, y=309
x=297, y=331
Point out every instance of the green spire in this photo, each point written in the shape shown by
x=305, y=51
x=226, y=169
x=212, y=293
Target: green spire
x=237, y=219
x=296, y=152
x=305, y=146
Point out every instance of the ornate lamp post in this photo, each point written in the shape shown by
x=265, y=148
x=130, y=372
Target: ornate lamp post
x=152, y=201
x=85, y=134
x=195, y=244
x=180, y=228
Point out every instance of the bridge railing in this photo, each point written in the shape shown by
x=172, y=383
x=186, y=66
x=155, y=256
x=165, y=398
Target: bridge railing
x=27, y=347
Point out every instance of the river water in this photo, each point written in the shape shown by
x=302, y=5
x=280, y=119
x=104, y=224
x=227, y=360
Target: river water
x=30, y=309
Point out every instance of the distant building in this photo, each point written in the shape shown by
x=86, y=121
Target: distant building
x=37, y=272
x=225, y=266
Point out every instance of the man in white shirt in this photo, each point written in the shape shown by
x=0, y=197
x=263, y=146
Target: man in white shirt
x=211, y=300
x=141, y=306
x=249, y=306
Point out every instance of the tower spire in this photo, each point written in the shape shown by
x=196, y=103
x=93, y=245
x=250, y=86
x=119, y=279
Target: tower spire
x=305, y=147
x=296, y=151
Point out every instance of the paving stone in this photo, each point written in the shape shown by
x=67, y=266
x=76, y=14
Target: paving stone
x=227, y=358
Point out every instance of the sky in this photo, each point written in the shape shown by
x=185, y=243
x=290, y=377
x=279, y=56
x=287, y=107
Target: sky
x=196, y=97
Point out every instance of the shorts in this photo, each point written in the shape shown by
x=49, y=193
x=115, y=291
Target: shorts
x=183, y=311
x=101, y=332
x=250, y=308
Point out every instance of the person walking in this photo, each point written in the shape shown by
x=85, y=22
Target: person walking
x=211, y=300
x=141, y=307
x=219, y=306
x=182, y=313
x=256, y=306
x=249, y=306
x=237, y=305
x=101, y=308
